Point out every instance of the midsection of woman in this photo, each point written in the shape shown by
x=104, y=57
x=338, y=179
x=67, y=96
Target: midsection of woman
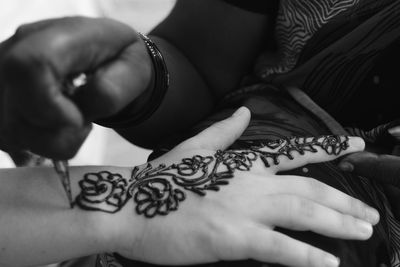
x=275, y=116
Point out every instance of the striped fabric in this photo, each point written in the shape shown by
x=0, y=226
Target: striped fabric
x=296, y=24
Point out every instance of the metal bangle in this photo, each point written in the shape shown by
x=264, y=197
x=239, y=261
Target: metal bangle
x=125, y=118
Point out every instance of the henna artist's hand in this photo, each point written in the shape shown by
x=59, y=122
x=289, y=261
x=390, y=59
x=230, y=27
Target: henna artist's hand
x=383, y=168
x=380, y=167
x=199, y=204
x=38, y=62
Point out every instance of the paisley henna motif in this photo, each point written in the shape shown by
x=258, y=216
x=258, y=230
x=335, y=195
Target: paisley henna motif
x=152, y=188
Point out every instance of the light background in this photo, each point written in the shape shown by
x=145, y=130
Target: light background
x=103, y=146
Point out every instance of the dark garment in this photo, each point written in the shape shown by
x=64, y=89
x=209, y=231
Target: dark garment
x=257, y=6
x=347, y=64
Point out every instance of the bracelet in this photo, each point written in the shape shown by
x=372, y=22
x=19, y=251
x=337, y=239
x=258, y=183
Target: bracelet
x=125, y=118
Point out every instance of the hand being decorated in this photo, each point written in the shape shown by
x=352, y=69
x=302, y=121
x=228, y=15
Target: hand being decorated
x=202, y=203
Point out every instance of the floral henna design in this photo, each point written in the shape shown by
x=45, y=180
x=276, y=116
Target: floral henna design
x=103, y=187
x=152, y=188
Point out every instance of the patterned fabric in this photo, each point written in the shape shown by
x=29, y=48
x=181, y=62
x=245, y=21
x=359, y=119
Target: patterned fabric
x=336, y=59
x=296, y=24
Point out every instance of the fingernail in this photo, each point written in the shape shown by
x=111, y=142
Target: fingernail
x=364, y=228
x=356, y=143
x=332, y=261
x=395, y=132
x=346, y=166
x=372, y=216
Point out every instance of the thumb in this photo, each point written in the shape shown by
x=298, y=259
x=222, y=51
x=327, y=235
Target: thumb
x=384, y=168
x=222, y=134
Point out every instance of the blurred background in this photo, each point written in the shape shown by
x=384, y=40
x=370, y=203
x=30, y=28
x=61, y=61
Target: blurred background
x=104, y=146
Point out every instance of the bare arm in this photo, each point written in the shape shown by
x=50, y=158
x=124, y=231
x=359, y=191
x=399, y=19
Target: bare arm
x=169, y=212
x=208, y=45
x=38, y=227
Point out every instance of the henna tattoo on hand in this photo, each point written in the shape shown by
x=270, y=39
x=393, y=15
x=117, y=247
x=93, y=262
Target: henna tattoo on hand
x=331, y=144
x=152, y=188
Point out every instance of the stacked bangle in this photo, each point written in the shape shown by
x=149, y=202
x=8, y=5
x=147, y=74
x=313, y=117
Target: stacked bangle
x=126, y=118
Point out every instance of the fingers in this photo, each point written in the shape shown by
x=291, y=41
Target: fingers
x=222, y=134
x=395, y=132
x=34, y=66
x=60, y=144
x=88, y=42
x=326, y=195
x=384, y=168
x=54, y=131
x=40, y=58
x=273, y=247
x=301, y=214
x=115, y=84
x=295, y=152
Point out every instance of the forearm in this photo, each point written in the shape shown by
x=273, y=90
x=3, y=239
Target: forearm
x=187, y=100
x=208, y=47
x=221, y=41
x=37, y=225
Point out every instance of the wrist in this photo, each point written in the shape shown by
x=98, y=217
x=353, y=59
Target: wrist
x=112, y=225
x=144, y=105
x=104, y=230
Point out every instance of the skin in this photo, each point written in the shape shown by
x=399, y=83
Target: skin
x=205, y=60
x=34, y=108
x=39, y=227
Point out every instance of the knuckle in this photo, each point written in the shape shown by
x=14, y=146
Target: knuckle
x=59, y=41
x=275, y=248
x=347, y=223
x=19, y=62
x=310, y=256
x=285, y=202
x=302, y=207
x=21, y=31
x=295, y=207
x=307, y=208
x=314, y=257
x=357, y=208
x=317, y=188
x=12, y=61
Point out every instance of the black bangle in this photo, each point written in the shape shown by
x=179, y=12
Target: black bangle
x=125, y=118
